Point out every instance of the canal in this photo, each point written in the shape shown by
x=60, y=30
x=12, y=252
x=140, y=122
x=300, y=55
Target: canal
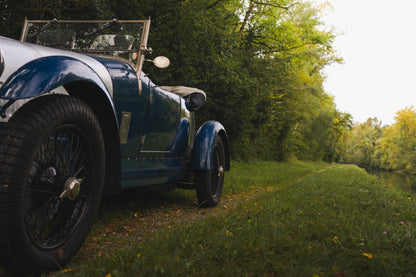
x=404, y=182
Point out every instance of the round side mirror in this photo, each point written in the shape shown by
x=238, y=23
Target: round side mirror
x=161, y=62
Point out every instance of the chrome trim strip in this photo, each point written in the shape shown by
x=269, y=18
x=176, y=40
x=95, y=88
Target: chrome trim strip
x=1, y=63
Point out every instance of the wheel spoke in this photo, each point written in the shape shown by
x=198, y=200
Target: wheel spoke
x=41, y=190
x=40, y=210
x=215, y=178
x=50, y=219
x=77, y=153
x=76, y=156
x=60, y=139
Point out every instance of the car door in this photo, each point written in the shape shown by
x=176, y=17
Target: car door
x=162, y=121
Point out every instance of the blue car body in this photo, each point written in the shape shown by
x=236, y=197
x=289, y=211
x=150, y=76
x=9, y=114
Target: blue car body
x=160, y=143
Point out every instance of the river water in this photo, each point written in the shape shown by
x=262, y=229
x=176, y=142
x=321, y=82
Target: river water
x=404, y=182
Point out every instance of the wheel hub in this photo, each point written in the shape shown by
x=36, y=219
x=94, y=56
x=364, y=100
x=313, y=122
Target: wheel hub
x=48, y=176
x=71, y=188
x=220, y=171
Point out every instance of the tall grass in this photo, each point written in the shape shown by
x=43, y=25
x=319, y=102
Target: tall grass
x=306, y=219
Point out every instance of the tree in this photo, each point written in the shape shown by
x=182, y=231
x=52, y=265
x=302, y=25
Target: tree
x=361, y=146
x=13, y=12
x=397, y=147
x=260, y=62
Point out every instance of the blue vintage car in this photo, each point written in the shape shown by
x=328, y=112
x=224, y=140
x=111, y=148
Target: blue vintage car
x=79, y=119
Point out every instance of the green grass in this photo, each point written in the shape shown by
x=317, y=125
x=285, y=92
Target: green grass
x=291, y=219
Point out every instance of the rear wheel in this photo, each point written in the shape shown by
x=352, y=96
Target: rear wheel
x=51, y=181
x=209, y=183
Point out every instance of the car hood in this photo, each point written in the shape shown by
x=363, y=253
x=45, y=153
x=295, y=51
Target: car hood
x=16, y=54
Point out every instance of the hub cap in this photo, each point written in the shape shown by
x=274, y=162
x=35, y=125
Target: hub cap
x=72, y=188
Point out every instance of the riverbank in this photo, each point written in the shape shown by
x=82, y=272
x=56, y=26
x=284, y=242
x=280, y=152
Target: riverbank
x=402, y=181
x=276, y=219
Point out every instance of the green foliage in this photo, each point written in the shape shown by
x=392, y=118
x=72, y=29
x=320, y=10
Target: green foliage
x=389, y=147
x=361, y=144
x=13, y=12
x=260, y=62
x=397, y=147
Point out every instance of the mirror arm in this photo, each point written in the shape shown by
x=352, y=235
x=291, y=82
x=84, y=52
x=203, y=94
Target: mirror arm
x=146, y=50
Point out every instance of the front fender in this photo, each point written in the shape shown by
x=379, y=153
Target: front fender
x=203, y=150
x=45, y=74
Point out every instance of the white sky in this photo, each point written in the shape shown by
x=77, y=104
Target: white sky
x=378, y=77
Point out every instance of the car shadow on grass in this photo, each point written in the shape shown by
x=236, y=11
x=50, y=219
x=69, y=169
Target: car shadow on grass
x=136, y=215
x=143, y=200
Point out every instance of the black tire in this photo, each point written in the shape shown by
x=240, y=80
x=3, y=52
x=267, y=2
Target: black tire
x=209, y=183
x=51, y=145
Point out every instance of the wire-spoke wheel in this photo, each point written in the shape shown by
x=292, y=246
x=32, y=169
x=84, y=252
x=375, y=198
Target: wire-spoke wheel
x=51, y=183
x=52, y=212
x=209, y=183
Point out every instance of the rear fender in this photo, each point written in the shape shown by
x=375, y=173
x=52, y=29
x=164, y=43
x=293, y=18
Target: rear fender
x=203, y=150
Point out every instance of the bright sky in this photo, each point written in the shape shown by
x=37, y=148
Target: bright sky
x=378, y=77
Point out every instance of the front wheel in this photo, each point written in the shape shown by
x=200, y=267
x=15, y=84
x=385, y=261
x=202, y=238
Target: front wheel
x=209, y=183
x=51, y=180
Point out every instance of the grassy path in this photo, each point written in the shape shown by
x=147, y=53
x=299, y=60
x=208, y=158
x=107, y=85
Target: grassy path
x=136, y=216
x=276, y=219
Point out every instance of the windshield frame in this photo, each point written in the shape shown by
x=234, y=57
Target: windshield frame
x=143, y=39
